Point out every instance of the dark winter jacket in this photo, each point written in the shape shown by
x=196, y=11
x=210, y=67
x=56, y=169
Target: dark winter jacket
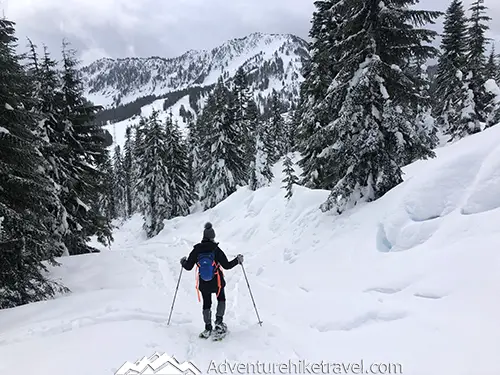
x=207, y=246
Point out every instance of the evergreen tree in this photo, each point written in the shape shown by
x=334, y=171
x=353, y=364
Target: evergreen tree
x=315, y=110
x=223, y=167
x=290, y=178
x=372, y=133
x=179, y=171
x=153, y=178
x=471, y=106
x=420, y=114
x=45, y=81
x=34, y=66
x=128, y=171
x=106, y=204
x=464, y=119
x=497, y=76
x=242, y=96
x=262, y=174
x=491, y=68
x=277, y=133
x=27, y=218
x=194, y=156
x=119, y=184
x=203, y=128
x=138, y=147
x=253, y=119
x=493, y=108
x=85, y=155
x=492, y=90
x=245, y=115
x=451, y=65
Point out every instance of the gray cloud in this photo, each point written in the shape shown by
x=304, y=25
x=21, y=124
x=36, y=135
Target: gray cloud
x=121, y=28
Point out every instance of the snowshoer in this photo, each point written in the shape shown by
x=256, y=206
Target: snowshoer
x=209, y=259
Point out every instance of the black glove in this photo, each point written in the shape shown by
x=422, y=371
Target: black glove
x=240, y=258
x=183, y=260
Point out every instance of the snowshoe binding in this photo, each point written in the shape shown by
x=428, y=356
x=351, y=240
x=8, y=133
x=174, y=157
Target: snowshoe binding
x=206, y=333
x=219, y=332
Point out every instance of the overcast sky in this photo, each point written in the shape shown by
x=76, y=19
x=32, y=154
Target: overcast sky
x=126, y=28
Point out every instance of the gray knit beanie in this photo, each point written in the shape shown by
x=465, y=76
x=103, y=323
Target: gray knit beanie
x=209, y=233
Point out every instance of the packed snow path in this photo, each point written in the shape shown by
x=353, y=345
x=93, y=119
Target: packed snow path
x=412, y=279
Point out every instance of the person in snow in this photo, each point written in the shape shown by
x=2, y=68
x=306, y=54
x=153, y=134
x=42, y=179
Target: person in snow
x=209, y=259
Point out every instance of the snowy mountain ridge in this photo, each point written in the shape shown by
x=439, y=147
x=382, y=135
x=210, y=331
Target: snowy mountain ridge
x=271, y=60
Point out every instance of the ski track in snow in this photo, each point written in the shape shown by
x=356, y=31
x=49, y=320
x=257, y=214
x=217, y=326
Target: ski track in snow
x=410, y=279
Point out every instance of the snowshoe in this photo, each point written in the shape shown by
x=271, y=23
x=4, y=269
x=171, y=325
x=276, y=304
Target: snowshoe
x=219, y=332
x=205, y=334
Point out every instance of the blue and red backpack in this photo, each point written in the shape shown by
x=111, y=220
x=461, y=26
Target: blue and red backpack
x=207, y=270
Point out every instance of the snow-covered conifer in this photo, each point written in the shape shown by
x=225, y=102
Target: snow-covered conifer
x=153, y=175
x=223, y=166
x=262, y=174
x=372, y=133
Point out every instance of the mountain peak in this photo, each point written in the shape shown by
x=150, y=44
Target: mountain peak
x=279, y=57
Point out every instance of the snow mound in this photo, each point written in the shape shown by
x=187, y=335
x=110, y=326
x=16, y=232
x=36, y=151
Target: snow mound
x=465, y=180
x=409, y=281
x=485, y=195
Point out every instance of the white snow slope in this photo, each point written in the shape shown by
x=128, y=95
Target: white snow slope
x=411, y=280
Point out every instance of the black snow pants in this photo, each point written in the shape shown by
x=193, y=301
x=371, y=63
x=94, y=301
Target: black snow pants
x=207, y=306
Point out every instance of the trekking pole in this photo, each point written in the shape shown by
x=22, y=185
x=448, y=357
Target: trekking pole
x=175, y=295
x=251, y=295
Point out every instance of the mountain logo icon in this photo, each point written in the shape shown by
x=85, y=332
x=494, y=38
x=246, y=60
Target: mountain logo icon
x=158, y=364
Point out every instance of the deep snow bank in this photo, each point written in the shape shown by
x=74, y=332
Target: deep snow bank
x=412, y=279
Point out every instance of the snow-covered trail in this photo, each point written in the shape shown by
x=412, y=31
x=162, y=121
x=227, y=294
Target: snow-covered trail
x=130, y=309
x=409, y=280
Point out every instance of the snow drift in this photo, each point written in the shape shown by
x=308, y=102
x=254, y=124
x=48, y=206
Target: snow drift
x=410, y=280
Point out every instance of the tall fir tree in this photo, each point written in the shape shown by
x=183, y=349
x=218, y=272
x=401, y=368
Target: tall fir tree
x=106, y=203
x=491, y=68
x=27, y=218
x=180, y=189
x=277, y=132
x=262, y=174
x=497, y=76
x=420, y=113
x=290, y=177
x=451, y=66
x=493, y=107
x=201, y=130
x=138, y=147
x=315, y=110
x=84, y=157
x=153, y=177
x=246, y=115
x=492, y=89
x=42, y=72
x=128, y=171
x=372, y=132
x=119, y=184
x=254, y=122
x=242, y=114
x=223, y=167
x=194, y=156
x=471, y=114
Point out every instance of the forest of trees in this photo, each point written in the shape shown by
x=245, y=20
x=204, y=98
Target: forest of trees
x=367, y=108
x=161, y=175
x=53, y=161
